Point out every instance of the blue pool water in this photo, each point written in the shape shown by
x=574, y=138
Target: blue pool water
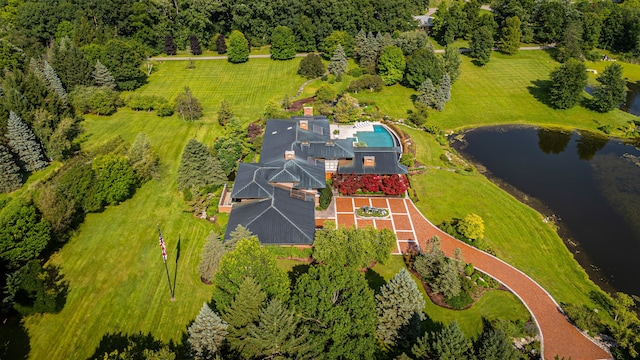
x=380, y=137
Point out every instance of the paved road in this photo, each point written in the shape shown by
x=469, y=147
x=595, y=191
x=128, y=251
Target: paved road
x=558, y=336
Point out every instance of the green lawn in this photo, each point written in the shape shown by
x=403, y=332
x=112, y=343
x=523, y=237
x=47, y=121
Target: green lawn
x=493, y=305
x=508, y=90
x=247, y=86
x=513, y=229
x=117, y=282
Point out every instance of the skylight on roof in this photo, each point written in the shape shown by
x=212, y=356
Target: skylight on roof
x=317, y=129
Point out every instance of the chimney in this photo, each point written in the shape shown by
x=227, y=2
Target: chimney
x=289, y=155
x=304, y=124
x=308, y=111
x=369, y=161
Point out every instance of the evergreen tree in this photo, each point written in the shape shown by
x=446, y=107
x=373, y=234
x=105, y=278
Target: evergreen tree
x=188, y=106
x=207, y=333
x=10, y=178
x=391, y=65
x=494, y=344
x=102, y=76
x=198, y=168
x=481, y=44
x=283, y=43
x=311, y=66
x=447, y=282
x=23, y=141
x=169, y=45
x=448, y=343
x=221, y=44
x=278, y=334
x=510, y=40
x=339, y=307
x=444, y=88
x=225, y=114
x=210, y=259
x=194, y=45
x=359, y=44
x=427, y=94
x=369, y=53
x=452, y=62
x=567, y=84
x=243, y=311
x=612, y=89
x=249, y=259
x=54, y=82
x=72, y=65
x=238, y=47
x=570, y=45
x=239, y=233
x=338, y=64
x=397, y=303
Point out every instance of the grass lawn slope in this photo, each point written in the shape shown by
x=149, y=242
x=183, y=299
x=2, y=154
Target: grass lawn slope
x=508, y=90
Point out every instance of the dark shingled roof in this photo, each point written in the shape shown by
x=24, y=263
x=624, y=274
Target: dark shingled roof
x=386, y=162
x=280, y=219
x=329, y=149
x=279, y=135
x=251, y=182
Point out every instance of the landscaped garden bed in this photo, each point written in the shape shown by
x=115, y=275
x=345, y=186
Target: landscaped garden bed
x=374, y=212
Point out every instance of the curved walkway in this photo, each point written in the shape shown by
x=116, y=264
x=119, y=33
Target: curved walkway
x=558, y=336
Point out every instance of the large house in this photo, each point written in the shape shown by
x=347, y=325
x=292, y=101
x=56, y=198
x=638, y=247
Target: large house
x=276, y=197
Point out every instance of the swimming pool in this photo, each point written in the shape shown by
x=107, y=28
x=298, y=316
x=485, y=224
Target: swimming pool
x=379, y=137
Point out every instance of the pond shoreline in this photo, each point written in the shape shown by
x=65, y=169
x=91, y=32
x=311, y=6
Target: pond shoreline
x=458, y=143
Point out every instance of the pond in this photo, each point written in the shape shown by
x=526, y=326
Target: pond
x=590, y=185
x=632, y=104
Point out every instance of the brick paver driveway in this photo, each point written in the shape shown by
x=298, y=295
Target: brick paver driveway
x=558, y=336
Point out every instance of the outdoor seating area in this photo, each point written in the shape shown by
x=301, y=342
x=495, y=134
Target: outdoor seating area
x=361, y=124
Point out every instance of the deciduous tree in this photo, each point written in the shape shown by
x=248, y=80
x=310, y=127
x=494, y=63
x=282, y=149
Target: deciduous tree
x=188, y=106
x=452, y=62
x=23, y=233
x=115, y=178
x=194, y=45
x=221, y=44
x=471, y=227
x=249, y=259
x=283, y=43
x=331, y=42
x=423, y=64
x=169, y=45
x=207, y=333
x=391, y=65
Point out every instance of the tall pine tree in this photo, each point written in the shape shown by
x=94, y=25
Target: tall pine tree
x=398, y=302
x=445, y=87
x=24, y=142
x=10, y=178
x=448, y=343
x=207, y=333
x=103, y=77
x=210, y=259
x=221, y=44
x=338, y=64
x=427, y=94
x=54, y=81
x=198, y=167
x=243, y=311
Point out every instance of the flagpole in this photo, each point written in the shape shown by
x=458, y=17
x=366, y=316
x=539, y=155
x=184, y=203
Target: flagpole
x=164, y=259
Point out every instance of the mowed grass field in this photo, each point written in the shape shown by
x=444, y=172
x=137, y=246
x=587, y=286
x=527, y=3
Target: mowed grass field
x=508, y=90
x=117, y=282
x=515, y=231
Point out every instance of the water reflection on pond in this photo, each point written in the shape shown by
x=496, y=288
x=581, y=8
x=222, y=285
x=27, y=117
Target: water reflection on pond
x=632, y=104
x=591, y=183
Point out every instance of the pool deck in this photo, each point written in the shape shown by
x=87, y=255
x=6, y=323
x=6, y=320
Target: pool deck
x=349, y=131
